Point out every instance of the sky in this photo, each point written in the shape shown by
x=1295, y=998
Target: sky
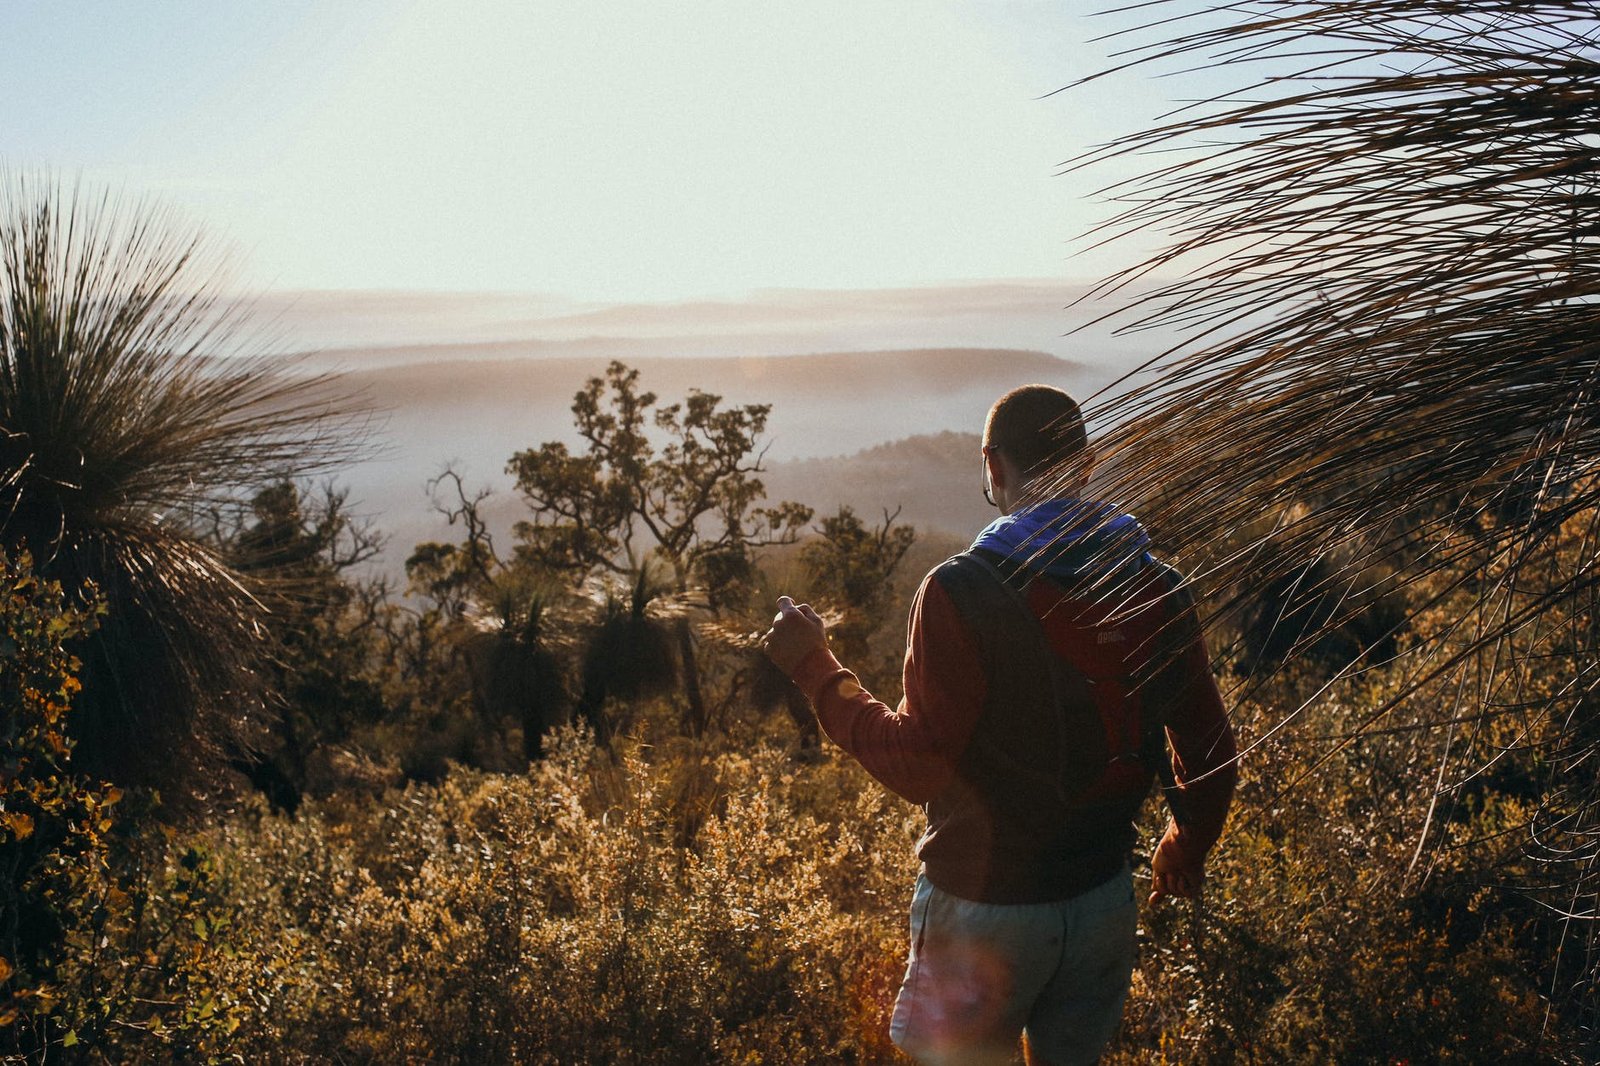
x=598, y=151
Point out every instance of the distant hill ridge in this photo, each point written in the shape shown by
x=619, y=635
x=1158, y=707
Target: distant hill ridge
x=932, y=478
x=399, y=383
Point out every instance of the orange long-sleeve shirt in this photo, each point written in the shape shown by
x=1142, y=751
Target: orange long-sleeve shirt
x=916, y=748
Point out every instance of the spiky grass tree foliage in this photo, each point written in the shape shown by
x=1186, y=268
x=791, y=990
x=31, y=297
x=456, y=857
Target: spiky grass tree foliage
x=130, y=407
x=1383, y=244
x=634, y=653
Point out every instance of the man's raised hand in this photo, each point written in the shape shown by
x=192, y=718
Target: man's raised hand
x=796, y=632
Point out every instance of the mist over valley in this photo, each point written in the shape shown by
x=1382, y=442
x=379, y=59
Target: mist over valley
x=872, y=430
x=877, y=396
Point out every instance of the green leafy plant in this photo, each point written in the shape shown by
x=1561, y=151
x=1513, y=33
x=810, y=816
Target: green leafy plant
x=112, y=942
x=51, y=821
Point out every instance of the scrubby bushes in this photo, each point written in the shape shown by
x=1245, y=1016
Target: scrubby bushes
x=106, y=928
x=735, y=898
x=1327, y=937
x=729, y=899
x=554, y=917
x=549, y=917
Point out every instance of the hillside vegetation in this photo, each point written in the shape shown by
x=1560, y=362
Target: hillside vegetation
x=740, y=897
x=530, y=794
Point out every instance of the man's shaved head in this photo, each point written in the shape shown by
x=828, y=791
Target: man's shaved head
x=1035, y=426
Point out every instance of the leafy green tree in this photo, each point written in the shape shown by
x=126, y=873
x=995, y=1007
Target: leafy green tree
x=131, y=406
x=673, y=486
x=1383, y=250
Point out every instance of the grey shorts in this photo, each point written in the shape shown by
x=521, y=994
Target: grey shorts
x=980, y=974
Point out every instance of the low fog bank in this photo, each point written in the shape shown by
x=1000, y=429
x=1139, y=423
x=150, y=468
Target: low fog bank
x=362, y=330
x=467, y=379
x=831, y=417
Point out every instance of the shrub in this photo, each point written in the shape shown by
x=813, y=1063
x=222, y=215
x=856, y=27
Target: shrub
x=552, y=918
x=108, y=937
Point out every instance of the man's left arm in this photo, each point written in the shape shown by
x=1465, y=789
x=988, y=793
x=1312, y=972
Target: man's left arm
x=1204, y=764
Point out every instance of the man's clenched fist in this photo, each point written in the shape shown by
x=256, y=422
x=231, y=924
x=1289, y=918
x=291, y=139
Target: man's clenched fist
x=796, y=632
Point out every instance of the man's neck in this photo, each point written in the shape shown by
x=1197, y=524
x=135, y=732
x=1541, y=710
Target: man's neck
x=1025, y=497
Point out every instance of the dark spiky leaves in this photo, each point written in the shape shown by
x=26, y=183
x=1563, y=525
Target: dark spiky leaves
x=1383, y=245
x=131, y=408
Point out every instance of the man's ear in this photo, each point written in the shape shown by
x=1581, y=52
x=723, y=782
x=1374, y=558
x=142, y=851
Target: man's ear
x=997, y=468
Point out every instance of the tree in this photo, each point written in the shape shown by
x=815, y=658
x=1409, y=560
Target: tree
x=850, y=571
x=852, y=568
x=131, y=406
x=491, y=622
x=297, y=548
x=625, y=502
x=1386, y=261
x=631, y=653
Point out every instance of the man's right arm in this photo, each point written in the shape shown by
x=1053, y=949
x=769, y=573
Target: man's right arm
x=912, y=750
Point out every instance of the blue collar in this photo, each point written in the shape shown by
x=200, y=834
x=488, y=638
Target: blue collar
x=1068, y=538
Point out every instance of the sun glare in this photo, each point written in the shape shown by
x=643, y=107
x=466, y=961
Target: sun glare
x=601, y=151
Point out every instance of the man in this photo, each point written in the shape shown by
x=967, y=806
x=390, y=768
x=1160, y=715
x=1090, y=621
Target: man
x=1042, y=669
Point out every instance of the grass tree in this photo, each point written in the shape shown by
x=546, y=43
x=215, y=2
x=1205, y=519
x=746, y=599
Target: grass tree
x=133, y=405
x=1382, y=245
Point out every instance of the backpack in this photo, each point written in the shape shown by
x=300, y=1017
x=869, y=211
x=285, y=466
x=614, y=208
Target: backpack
x=1110, y=673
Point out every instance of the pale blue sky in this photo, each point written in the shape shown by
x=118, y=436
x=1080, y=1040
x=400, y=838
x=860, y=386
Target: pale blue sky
x=591, y=149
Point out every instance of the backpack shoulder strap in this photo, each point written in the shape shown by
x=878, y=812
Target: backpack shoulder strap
x=987, y=593
x=978, y=574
